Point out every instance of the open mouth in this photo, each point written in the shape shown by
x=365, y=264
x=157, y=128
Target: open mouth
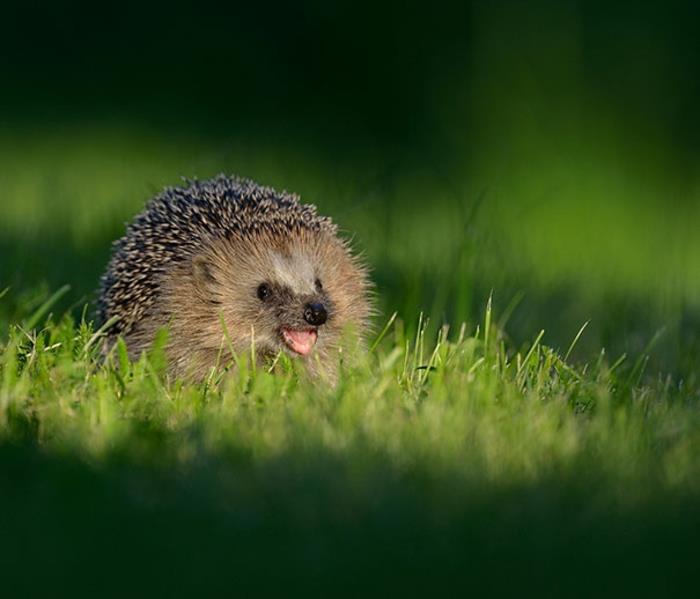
x=300, y=341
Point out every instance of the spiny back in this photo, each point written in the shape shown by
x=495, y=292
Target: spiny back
x=178, y=223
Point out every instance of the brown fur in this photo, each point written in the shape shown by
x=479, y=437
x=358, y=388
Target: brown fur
x=208, y=301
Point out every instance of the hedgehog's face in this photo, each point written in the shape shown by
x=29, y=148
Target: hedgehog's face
x=292, y=304
x=297, y=295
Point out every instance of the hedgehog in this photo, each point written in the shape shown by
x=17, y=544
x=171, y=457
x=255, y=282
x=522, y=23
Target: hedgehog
x=228, y=266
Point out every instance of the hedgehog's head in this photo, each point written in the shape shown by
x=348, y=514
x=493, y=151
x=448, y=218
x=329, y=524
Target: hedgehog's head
x=300, y=292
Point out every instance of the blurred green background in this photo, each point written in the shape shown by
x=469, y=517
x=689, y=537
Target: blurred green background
x=545, y=150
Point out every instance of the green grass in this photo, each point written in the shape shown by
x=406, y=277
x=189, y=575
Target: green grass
x=517, y=166
x=489, y=458
x=431, y=466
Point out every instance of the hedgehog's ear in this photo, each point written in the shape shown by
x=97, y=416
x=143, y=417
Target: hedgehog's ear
x=202, y=271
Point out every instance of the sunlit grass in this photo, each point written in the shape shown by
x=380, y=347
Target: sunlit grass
x=467, y=404
x=454, y=444
x=462, y=445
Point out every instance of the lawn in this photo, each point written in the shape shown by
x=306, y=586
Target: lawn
x=522, y=179
x=483, y=456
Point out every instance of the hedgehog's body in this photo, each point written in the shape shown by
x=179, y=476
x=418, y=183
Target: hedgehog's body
x=228, y=263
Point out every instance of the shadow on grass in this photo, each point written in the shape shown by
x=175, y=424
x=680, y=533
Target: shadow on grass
x=33, y=266
x=307, y=523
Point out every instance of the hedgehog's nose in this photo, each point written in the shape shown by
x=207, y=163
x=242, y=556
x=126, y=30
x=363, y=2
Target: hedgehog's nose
x=315, y=314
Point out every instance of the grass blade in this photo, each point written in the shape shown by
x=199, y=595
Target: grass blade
x=100, y=333
x=487, y=323
x=385, y=330
x=575, y=341
x=45, y=307
x=530, y=352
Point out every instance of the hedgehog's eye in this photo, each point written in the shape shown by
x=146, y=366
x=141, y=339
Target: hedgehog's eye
x=319, y=285
x=264, y=291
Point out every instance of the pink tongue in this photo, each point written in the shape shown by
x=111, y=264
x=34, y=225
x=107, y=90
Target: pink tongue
x=302, y=342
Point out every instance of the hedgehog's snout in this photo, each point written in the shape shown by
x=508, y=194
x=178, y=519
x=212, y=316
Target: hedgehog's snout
x=315, y=314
